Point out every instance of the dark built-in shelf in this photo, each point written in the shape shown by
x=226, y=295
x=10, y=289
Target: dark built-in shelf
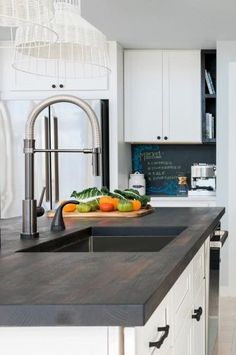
x=208, y=62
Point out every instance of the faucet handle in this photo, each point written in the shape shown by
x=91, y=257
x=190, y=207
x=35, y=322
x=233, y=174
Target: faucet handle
x=58, y=221
x=40, y=210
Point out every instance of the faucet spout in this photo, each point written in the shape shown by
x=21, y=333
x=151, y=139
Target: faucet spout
x=29, y=211
x=58, y=221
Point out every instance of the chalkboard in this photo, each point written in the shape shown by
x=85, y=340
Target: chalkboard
x=162, y=164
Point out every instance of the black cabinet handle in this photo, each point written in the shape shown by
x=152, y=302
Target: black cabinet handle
x=158, y=137
x=166, y=138
x=54, y=86
x=197, y=314
x=158, y=344
x=61, y=86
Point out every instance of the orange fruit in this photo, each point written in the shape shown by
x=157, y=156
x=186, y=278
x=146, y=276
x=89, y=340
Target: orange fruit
x=106, y=207
x=109, y=199
x=105, y=199
x=115, y=202
x=69, y=208
x=136, y=205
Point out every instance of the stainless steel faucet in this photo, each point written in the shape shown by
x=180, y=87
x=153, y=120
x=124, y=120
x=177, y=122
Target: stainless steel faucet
x=29, y=212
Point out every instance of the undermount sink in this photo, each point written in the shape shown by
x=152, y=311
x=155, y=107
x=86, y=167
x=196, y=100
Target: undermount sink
x=111, y=239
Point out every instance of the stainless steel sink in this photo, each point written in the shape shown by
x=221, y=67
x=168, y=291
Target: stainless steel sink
x=111, y=239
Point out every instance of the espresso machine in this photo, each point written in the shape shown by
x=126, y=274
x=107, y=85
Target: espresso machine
x=203, y=179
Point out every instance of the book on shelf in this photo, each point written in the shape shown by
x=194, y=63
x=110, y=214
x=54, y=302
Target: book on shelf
x=210, y=126
x=209, y=83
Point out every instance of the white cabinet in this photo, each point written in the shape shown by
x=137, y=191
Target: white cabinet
x=16, y=81
x=198, y=324
x=143, y=95
x=155, y=337
x=55, y=341
x=162, y=96
x=25, y=82
x=200, y=268
x=182, y=96
x=61, y=340
x=183, y=344
x=182, y=301
x=183, y=310
x=207, y=284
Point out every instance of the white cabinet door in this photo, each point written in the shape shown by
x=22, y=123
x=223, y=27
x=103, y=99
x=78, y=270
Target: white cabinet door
x=199, y=346
x=155, y=337
x=54, y=341
x=12, y=80
x=183, y=344
x=26, y=82
x=143, y=95
x=163, y=96
x=207, y=280
x=182, y=96
x=182, y=300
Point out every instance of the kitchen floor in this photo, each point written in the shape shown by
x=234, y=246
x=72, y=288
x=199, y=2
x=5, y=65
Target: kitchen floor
x=227, y=334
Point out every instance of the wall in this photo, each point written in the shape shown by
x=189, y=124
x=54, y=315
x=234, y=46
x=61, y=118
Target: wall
x=226, y=146
x=120, y=152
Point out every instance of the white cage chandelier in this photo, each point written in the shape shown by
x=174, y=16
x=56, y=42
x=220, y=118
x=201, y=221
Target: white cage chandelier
x=80, y=52
x=34, y=13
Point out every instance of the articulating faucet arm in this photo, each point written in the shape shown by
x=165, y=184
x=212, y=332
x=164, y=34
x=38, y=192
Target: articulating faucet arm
x=29, y=223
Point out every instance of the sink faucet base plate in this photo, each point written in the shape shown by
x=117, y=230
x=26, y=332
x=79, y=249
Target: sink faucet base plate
x=29, y=236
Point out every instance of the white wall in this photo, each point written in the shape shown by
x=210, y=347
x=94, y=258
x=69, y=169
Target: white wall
x=120, y=152
x=226, y=161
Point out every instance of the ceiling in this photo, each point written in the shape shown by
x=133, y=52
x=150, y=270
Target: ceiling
x=163, y=23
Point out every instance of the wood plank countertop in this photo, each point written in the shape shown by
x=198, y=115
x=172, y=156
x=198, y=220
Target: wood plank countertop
x=95, y=289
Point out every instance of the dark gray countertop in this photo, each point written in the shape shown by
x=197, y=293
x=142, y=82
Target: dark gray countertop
x=95, y=289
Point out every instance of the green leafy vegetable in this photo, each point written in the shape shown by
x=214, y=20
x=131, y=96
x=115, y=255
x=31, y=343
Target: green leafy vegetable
x=87, y=195
x=132, y=194
x=93, y=194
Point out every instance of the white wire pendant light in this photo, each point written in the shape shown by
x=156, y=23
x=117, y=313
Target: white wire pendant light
x=80, y=52
x=36, y=13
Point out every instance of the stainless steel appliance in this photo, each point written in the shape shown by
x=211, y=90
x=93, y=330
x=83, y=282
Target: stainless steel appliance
x=217, y=241
x=203, y=178
x=61, y=125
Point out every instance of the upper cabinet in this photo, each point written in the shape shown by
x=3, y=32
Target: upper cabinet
x=182, y=96
x=13, y=82
x=143, y=95
x=162, y=96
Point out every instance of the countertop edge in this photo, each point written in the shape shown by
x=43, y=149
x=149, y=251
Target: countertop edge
x=71, y=315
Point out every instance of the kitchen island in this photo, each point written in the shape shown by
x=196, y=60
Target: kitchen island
x=95, y=289
x=91, y=301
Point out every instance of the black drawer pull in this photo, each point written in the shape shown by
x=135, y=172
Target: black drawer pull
x=197, y=314
x=166, y=138
x=54, y=86
x=158, y=344
x=61, y=86
x=158, y=137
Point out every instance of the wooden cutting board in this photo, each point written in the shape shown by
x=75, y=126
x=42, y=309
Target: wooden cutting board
x=98, y=214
